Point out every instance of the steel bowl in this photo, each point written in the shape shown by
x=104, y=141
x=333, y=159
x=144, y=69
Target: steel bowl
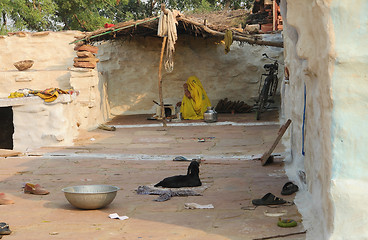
x=90, y=196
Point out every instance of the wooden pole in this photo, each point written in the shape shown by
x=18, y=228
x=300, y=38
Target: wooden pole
x=160, y=82
x=274, y=15
x=163, y=9
x=163, y=116
x=267, y=154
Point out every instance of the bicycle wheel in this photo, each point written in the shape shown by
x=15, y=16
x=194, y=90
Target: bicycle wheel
x=263, y=96
x=275, y=82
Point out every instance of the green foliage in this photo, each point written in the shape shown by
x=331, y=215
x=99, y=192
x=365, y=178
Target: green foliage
x=133, y=9
x=88, y=15
x=34, y=15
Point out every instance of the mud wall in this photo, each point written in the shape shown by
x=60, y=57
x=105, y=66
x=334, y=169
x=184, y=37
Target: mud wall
x=325, y=54
x=37, y=123
x=130, y=70
x=349, y=125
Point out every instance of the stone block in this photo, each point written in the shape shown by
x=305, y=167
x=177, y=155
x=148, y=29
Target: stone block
x=85, y=64
x=85, y=54
x=23, y=79
x=40, y=34
x=86, y=59
x=252, y=28
x=88, y=48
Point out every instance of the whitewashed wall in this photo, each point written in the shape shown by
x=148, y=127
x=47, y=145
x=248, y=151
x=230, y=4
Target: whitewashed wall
x=130, y=69
x=326, y=53
x=37, y=124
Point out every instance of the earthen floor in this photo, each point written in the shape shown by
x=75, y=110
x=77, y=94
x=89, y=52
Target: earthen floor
x=134, y=156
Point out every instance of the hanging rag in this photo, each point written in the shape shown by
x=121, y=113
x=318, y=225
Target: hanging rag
x=167, y=27
x=228, y=40
x=196, y=102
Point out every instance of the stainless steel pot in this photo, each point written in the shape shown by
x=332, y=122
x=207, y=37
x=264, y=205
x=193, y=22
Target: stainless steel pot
x=210, y=115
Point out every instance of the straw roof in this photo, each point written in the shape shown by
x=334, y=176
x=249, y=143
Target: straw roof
x=195, y=25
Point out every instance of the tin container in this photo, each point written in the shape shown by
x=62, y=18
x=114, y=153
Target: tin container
x=210, y=115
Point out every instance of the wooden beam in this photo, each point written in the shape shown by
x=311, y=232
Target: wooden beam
x=274, y=15
x=249, y=39
x=267, y=154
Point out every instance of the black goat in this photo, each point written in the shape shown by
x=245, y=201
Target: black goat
x=189, y=180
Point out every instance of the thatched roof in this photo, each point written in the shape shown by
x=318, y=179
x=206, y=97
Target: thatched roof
x=195, y=26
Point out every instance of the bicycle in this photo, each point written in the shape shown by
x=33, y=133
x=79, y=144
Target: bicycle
x=269, y=86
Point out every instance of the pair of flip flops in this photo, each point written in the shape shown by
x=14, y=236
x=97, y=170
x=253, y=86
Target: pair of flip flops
x=268, y=199
x=289, y=188
x=4, y=229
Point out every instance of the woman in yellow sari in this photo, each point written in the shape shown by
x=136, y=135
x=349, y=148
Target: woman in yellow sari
x=195, y=100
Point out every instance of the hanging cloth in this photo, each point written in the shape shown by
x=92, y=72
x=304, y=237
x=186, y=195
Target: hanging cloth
x=228, y=40
x=194, y=106
x=167, y=27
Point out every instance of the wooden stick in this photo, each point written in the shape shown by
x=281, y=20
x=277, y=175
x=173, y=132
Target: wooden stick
x=274, y=15
x=163, y=9
x=160, y=82
x=267, y=154
x=278, y=236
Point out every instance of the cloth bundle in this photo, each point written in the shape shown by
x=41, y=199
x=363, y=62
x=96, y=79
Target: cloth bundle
x=49, y=94
x=167, y=27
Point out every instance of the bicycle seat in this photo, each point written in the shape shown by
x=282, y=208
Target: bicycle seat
x=268, y=66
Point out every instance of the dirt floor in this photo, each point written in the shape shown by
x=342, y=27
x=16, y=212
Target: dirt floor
x=135, y=155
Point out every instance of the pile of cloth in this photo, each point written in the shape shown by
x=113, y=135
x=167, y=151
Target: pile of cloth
x=49, y=94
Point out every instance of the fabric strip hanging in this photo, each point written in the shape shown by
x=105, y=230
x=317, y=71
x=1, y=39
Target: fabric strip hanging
x=167, y=27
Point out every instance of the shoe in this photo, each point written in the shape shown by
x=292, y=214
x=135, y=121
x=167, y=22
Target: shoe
x=289, y=188
x=268, y=199
x=4, y=200
x=35, y=189
x=4, y=229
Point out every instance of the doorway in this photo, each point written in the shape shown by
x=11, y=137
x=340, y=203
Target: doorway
x=6, y=128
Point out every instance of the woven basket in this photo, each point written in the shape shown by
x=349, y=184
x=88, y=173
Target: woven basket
x=23, y=65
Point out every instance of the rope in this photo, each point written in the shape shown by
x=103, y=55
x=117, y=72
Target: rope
x=167, y=27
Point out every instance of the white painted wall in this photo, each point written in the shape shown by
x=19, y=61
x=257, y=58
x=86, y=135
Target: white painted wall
x=39, y=124
x=127, y=80
x=326, y=53
x=130, y=69
x=350, y=114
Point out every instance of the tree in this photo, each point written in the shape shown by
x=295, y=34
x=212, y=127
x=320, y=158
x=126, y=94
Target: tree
x=86, y=15
x=30, y=14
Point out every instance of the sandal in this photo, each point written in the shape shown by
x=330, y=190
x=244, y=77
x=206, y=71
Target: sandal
x=285, y=223
x=268, y=199
x=35, y=189
x=4, y=200
x=289, y=188
x=4, y=229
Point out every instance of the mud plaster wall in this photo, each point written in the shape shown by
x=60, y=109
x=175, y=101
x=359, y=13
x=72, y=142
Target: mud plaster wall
x=327, y=59
x=349, y=119
x=130, y=70
x=36, y=123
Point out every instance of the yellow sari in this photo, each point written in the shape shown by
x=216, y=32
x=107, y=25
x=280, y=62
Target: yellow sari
x=194, y=106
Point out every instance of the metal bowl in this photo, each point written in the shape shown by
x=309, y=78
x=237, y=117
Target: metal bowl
x=90, y=196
